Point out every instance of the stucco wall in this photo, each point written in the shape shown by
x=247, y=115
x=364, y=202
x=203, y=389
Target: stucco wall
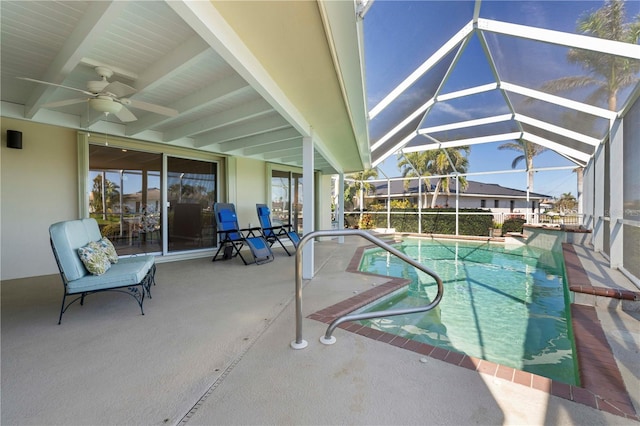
x=38, y=187
x=251, y=189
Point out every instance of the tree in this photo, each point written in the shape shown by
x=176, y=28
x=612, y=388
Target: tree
x=353, y=190
x=429, y=163
x=566, y=203
x=529, y=151
x=111, y=196
x=607, y=74
x=415, y=164
x=442, y=165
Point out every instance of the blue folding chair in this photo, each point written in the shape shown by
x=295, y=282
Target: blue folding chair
x=273, y=234
x=232, y=238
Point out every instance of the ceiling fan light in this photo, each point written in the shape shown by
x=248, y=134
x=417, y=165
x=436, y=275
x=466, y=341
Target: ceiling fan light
x=105, y=105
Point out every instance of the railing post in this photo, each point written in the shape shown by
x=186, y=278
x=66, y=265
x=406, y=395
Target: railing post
x=299, y=342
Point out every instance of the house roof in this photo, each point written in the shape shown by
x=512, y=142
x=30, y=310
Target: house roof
x=475, y=189
x=248, y=79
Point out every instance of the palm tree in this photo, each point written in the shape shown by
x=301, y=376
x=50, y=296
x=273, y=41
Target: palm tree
x=428, y=163
x=607, y=74
x=111, y=193
x=415, y=164
x=566, y=203
x=442, y=165
x=353, y=190
x=529, y=151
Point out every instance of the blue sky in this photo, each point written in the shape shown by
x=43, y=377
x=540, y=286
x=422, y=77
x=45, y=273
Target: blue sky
x=401, y=35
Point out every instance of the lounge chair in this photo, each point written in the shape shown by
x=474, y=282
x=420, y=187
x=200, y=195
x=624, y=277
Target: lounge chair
x=232, y=238
x=273, y=234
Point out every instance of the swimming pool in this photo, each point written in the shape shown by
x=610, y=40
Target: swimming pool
x=506, y=305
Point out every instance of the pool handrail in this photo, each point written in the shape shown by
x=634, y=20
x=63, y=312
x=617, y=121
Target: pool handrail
x=328, y=339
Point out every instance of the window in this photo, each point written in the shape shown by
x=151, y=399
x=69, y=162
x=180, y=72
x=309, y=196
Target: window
x=496, y=204
x=512, y=205
x=483, y=204
x=286, y=198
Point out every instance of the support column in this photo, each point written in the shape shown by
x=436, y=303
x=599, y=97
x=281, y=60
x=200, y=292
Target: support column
x=587, y=199
x=616, y=195
x=308, y=205
x=457, y=204
x=340, y=206
x=598, y=200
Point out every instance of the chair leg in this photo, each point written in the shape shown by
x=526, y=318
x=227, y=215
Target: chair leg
x=282, y=245
x=64, y=296
x=217, y=252
x=240, y=254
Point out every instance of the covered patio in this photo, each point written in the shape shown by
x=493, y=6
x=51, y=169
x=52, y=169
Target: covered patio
x=261, y=90
x=213, y=348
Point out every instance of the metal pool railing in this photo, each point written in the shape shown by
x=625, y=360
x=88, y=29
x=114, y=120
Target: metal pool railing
x=328, y=339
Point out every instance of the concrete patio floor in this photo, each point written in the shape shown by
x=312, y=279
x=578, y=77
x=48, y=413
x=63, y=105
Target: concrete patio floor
x=213, y=348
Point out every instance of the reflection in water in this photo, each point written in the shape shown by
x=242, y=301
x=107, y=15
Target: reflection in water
x=501, y=305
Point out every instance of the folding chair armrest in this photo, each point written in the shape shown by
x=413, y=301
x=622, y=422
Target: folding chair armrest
x=228, y=231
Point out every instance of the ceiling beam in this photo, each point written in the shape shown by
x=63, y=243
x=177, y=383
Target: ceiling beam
x=422, y=69
x=272, y=147
x=577, y=41
x=181, y=58
x=421, y=110
x=241, y=130
x=293, y=152
x=218, y=92
x=98, y=17
x=205, y=19
x=466, y=92
x=557, y=130
x=232, y=116
x=465, y=124
x=394, y=149
x=557, y=147
x=553, y=99
x=258, y=140
x=463, y=142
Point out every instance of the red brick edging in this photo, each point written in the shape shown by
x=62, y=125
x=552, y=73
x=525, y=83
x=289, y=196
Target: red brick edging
x=579, y=281
x=602, y=384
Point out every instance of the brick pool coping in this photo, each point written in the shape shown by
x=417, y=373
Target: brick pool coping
x=602, y=385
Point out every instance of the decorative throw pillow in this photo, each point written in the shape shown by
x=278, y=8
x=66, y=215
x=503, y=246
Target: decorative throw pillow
x=108, y=249
x=94, y=258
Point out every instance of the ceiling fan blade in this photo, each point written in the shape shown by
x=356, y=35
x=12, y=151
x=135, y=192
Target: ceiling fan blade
x=56, y=85
x=64, y=103
x=119, y=89
x=151, y=107
x=125, y=115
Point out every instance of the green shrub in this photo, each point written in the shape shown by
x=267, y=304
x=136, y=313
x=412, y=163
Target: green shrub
x=406, y=220
x=513, y=224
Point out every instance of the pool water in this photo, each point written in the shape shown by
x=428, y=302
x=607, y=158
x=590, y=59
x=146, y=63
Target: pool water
x=506, y=305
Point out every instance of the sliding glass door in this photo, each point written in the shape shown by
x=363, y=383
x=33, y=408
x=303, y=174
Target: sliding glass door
x=191, y=192
x=286, y=198
x=126, y=192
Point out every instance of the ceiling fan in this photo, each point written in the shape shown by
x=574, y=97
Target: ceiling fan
x=108, y=97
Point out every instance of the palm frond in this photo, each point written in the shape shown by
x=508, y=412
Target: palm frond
x=569, y=83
